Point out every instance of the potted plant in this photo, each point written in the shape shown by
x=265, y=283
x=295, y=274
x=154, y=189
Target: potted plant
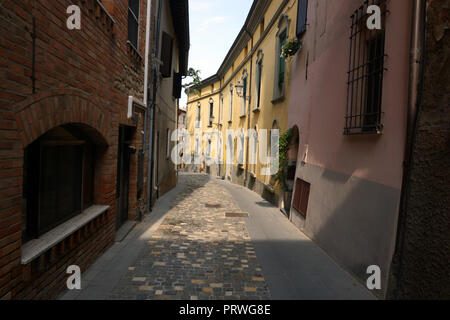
x=291, y=48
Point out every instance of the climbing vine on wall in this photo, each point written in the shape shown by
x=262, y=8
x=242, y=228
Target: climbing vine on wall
x=285, y=140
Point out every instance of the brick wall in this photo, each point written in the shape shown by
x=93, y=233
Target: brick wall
x=81, y=76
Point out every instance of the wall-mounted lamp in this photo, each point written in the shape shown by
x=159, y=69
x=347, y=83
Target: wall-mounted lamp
x=240, y=90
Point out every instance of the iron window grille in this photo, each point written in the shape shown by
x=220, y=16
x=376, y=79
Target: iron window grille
x=365, y=75
x=133, y=22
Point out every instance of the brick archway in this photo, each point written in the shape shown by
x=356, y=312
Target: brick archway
x=54, y=108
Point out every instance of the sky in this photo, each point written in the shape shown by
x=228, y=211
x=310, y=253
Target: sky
x=214, y=25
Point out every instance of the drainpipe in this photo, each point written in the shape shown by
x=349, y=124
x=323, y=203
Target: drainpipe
x=152, y=113
x=249, y=108
x=146, y=86
x=416, y=64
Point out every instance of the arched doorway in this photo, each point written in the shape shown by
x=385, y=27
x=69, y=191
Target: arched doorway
x=290, y=170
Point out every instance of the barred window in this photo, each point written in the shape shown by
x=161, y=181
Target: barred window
x=365, y=75
x=133, y=22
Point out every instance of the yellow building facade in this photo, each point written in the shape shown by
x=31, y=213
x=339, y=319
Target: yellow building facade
x=250, y=92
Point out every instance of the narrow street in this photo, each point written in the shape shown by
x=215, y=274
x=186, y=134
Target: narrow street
x=195, y=246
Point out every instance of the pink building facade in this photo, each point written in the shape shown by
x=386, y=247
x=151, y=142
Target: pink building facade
x=349, y=104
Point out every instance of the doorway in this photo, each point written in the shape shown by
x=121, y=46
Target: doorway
x=123, y=174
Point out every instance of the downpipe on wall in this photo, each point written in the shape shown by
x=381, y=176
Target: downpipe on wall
x=416, y=71
x=155, y=67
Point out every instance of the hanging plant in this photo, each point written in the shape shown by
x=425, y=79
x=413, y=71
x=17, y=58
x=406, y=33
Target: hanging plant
x=291, y=48
x=281, y=175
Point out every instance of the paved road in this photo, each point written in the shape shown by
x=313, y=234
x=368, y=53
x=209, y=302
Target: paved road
x=189, y=249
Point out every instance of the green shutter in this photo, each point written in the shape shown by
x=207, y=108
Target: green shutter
x=282, y=66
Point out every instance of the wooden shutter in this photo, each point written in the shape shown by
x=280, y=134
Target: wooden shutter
x=177, y=85
x=301, y=16
x=301, y=196
x=282, y=66
x=166, y=55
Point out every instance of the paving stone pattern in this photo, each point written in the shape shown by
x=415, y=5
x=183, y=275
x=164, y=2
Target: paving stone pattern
x=197, y=253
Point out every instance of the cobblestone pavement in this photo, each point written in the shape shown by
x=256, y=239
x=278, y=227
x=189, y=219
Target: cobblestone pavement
x=197, y=253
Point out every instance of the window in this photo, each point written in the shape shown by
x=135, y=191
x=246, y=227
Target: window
x=302, y=12
x=279, y=85
x=177, y=85
x=199, y=116
x=58, y=180
x=211, y=112
x=301, y=197
x=244, y=94
x=365, y=75
x=133, y=23
x=258, y=79
x=282, y=63
x=166, y=55
x=221, y=109
x=230, y=115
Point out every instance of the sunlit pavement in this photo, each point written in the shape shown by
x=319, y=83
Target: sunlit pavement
x=196, y=246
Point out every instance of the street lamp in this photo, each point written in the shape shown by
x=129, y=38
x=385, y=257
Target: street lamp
x=239, y=89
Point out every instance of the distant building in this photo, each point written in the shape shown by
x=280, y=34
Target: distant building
x=181, y=126
x=249, y=92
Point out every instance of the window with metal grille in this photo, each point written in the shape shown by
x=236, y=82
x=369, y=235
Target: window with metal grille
x=301, y=197
x=133, y=23
x=365, y=75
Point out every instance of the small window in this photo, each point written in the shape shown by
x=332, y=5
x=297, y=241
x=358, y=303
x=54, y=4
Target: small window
x=133, y=23
x=211, y=112
x=221, y=109
x=199, y=116
x=365, y=75
x=166, y=55
x=230, y=114
x=301, y=197
x=259, y=67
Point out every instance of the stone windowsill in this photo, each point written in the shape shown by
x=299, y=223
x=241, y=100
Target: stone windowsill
x=278, y=99
x=35, y=248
